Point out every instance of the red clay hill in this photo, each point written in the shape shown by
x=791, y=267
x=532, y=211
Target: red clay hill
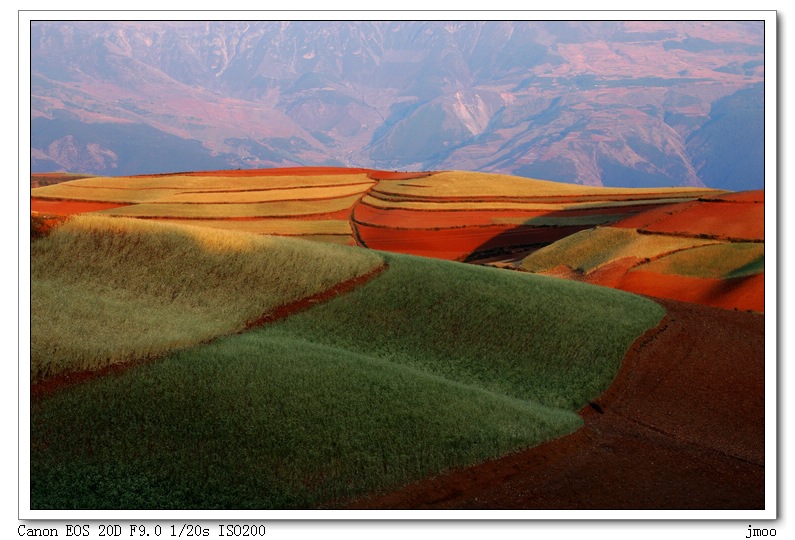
x=691, y=244
x=708, y=251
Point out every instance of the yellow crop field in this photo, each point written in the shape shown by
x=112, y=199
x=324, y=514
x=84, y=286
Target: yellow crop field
x=476, y=184
x=101, y=194
x=441, y=205
x=184, y=182
x=286, y=194
x=108, y=290
x=731, y=259
x=588, y=250
x=286, y=227
x=220, y=211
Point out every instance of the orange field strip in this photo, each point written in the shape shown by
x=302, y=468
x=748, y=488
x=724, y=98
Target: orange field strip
x=186, y=182
x=453, y=206
x=182, y=189
x=481, y=185
x=736, y=221
x=386, y=195
x=222, y=211
x=286, y=227
x=308, y=193
x=460, y=243
x=757, y=196
x=404, y=218
x=746, y=293
x=67, y=208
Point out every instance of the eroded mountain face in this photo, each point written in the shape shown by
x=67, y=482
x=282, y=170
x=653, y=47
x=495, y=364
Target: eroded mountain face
x=598, y=103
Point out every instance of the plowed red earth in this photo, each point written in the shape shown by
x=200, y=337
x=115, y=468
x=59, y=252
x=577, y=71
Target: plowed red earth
x=644, y=219
x=722, y=219
x=682, y=427
x=757, y=196
x=458, y=244
x=68, y=208
x=741, y=293
x=739, y=216
x=337, y=214
x=422, y=219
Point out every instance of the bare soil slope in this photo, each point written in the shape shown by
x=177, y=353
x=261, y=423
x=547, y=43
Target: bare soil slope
x=682, y=427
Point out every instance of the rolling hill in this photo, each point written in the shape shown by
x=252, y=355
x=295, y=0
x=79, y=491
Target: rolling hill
x=363, y=392
x=449, y=214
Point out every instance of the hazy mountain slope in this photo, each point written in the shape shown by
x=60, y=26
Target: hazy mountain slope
x=612, y=103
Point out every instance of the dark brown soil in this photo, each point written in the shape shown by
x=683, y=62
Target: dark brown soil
x=682, y=427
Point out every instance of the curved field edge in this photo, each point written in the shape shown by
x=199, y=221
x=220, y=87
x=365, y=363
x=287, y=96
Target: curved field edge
x=591, y=249
x=532, y=337
x=109, y=290
x=266, y=424
x=431, y=365
x=717, y=261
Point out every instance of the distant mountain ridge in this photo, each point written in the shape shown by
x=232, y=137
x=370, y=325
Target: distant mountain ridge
x=598, y=103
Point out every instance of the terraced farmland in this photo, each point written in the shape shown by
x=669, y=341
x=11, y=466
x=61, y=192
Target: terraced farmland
x=452, y=215
x=159, y=307
x=709, y=251
x=468, y=216
x=314, y=203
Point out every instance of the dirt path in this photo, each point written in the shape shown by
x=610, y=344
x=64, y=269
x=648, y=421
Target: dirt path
x=682, y=427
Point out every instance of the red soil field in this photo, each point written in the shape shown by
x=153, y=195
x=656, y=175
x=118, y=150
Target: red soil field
x=458, y=244
x=721, y=219
x=644, y=219
x=732, y=215
x=743, y=293
x=424, y=219
x=682, y=427
x=757, y=196
x=344, y=213
x=41, y=224
x=608, y=275
x=67, y=208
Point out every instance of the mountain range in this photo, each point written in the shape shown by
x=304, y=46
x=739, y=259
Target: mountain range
x=613, y=103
